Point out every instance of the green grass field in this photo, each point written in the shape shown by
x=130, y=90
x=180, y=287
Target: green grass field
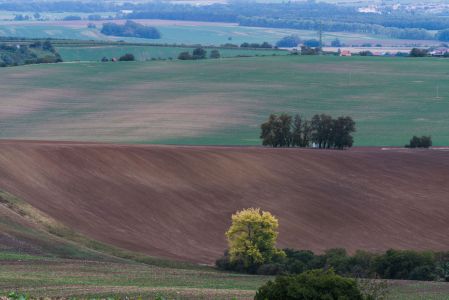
x=143, y=53
x=40, y=277
x=223, y=102
x=211, y=34
x=56, y=277
x=188, y=33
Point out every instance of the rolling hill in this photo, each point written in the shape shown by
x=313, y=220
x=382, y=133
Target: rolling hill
x=176, y=202
x=223, y=102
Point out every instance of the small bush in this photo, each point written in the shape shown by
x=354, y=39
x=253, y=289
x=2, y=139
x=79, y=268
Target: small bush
x=420, y=142
x=215, y=54
x=185, y=56
x=289, y=41
x=416, y=52
x=314, y=284
x=199, y=53
x=406, y=264
x=127, y=57
x=423, y=273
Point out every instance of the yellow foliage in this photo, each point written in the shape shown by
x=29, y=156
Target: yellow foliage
x=252, y=237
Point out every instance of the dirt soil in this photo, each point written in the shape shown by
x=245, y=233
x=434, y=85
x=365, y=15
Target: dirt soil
x=176, y=202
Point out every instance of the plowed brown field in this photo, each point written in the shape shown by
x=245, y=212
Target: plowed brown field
x=176, y=202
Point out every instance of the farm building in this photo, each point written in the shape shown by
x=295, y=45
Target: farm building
x=439, y=51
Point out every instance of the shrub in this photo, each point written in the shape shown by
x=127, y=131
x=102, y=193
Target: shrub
x=314, y=284
x=406, y=264
x=361, y=264
x=215, y=54
x=199, y=53
x=420, y=142
x=127, y=57
x=423, y=273
x=184, y=56
x=266, y=45
x=365, y=53
x=306, y=50
x=289, y=41
x=337, y=259
x=416, y=52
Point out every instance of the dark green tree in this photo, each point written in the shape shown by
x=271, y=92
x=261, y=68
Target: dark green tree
x=310, y=285
x=289, y=41
x=404, y=264
x=215, y=54
x=420, y=142
x=416, y=52
x=343, y=128
x=322, y=128
x=185, y=56
x=199, y=53
x=276, y=132
x=127, y=57
x=297, y=133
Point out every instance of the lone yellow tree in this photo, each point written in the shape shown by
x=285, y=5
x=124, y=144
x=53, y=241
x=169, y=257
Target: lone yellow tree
x=252, y=237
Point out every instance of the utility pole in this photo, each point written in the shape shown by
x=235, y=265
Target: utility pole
x=320, y=35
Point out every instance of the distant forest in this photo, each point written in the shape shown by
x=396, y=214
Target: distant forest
x=12, y=54
x=308, y=15
x=131, y=29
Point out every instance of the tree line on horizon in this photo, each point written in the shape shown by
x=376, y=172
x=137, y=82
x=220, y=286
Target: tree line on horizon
x=322, y=131
x=131, y=29
x=304, y=15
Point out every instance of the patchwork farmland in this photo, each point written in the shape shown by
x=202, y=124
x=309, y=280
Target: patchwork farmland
x=187, y=32
x=206, y=149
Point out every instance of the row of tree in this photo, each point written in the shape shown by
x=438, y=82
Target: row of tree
x=398, y=23
x=252, y=249
x=420, y=142
x=338, y=26
x=322, y=131
x=131, y=29
x=23, y=54
x=264, y=45
x=198, y=53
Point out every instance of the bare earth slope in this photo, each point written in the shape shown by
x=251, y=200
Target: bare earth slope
x=176, y=202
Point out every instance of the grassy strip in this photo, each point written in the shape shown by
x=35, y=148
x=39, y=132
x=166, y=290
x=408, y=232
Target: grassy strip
x=58, y=229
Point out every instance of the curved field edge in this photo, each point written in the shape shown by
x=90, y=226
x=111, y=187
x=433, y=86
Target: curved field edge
x=41, y=257
x=85, y=274
x=92, y=273
x=29, y=234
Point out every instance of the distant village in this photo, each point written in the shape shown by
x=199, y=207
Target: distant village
x=385, y=8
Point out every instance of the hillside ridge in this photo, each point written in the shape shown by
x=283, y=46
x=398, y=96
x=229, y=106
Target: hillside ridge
x=176, y=201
